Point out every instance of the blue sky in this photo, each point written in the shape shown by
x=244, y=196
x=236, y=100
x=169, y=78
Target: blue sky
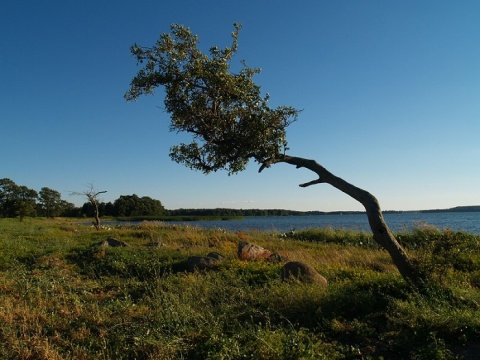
x=390, y=92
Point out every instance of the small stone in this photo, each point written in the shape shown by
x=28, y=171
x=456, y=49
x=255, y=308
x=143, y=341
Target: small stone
x=276, y=258
x=113, y=243
x=201, y=263
x=302, y=272
x=216, y=255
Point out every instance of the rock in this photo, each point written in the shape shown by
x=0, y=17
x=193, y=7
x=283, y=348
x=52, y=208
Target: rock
x=276, y=258
x=203, y=262
x=303, y=273
x=216, y=255
x=249, y=251
x=113, y=243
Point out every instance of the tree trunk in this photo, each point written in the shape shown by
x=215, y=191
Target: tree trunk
x=91, y=195
x=96, y=223
x=381, y=232
x=93, y=200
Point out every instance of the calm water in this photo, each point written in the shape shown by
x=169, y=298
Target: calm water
x=468, y=222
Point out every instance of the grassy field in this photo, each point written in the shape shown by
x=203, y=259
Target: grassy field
x=62, y=296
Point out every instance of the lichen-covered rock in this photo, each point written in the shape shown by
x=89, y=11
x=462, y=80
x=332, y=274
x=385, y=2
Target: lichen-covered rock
x=113, y=243
x=302, y=272
x=249, y=251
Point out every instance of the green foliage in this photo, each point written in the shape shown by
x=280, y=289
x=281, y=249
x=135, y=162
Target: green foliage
x=335, y=236
x=50, y=202
x=16, y=200
x=133, y=205
x=445, y=255
x=225, y=112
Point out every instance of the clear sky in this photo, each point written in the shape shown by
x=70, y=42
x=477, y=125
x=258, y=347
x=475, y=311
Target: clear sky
x=390, y=92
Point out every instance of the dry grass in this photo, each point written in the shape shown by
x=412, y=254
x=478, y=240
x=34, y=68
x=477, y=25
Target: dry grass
x=64, y=297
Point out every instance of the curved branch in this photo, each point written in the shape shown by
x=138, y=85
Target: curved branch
x=381, y=232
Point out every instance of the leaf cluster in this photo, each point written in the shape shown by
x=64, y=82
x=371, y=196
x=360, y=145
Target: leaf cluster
x=225, y=112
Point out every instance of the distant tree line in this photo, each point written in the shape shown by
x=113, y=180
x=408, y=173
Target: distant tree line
x=283, y=212
x=20, y=201
x=473, y=208
x=241, y=212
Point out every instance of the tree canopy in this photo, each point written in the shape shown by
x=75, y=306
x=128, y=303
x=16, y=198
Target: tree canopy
x=16, y=200
x=50, y=202
x=133, y=205
x=230, y=120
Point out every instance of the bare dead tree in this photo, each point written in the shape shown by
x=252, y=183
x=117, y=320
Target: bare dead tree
x=92, y=195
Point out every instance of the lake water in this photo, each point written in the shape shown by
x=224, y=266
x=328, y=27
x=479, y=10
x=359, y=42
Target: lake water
x=464, y=221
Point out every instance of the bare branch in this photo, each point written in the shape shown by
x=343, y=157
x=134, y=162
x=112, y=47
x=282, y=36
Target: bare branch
x=381, y=232
x=313, y=182
x=91, y=195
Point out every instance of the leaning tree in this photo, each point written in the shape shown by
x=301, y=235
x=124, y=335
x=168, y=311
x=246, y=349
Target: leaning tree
x=231, y=122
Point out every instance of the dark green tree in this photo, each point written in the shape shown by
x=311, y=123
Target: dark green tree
x=125, y=205
x=8, y=190
x=88, y=210
x=26, y=201
x=51, y=203
x=231, y=122
x=109, y=209
x=69, y=209
x=152, y=207
x=16, y=200
x=133, y=205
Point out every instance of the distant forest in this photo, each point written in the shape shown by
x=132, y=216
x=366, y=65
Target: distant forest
x=456, y=209
x=20, y=201
x=282, y=212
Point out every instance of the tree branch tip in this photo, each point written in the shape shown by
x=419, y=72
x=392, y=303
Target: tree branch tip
x=313, y=182
x=265, y=165
x=262, y=168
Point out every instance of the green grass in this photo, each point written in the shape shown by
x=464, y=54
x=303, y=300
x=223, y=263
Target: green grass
x=64, y=297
